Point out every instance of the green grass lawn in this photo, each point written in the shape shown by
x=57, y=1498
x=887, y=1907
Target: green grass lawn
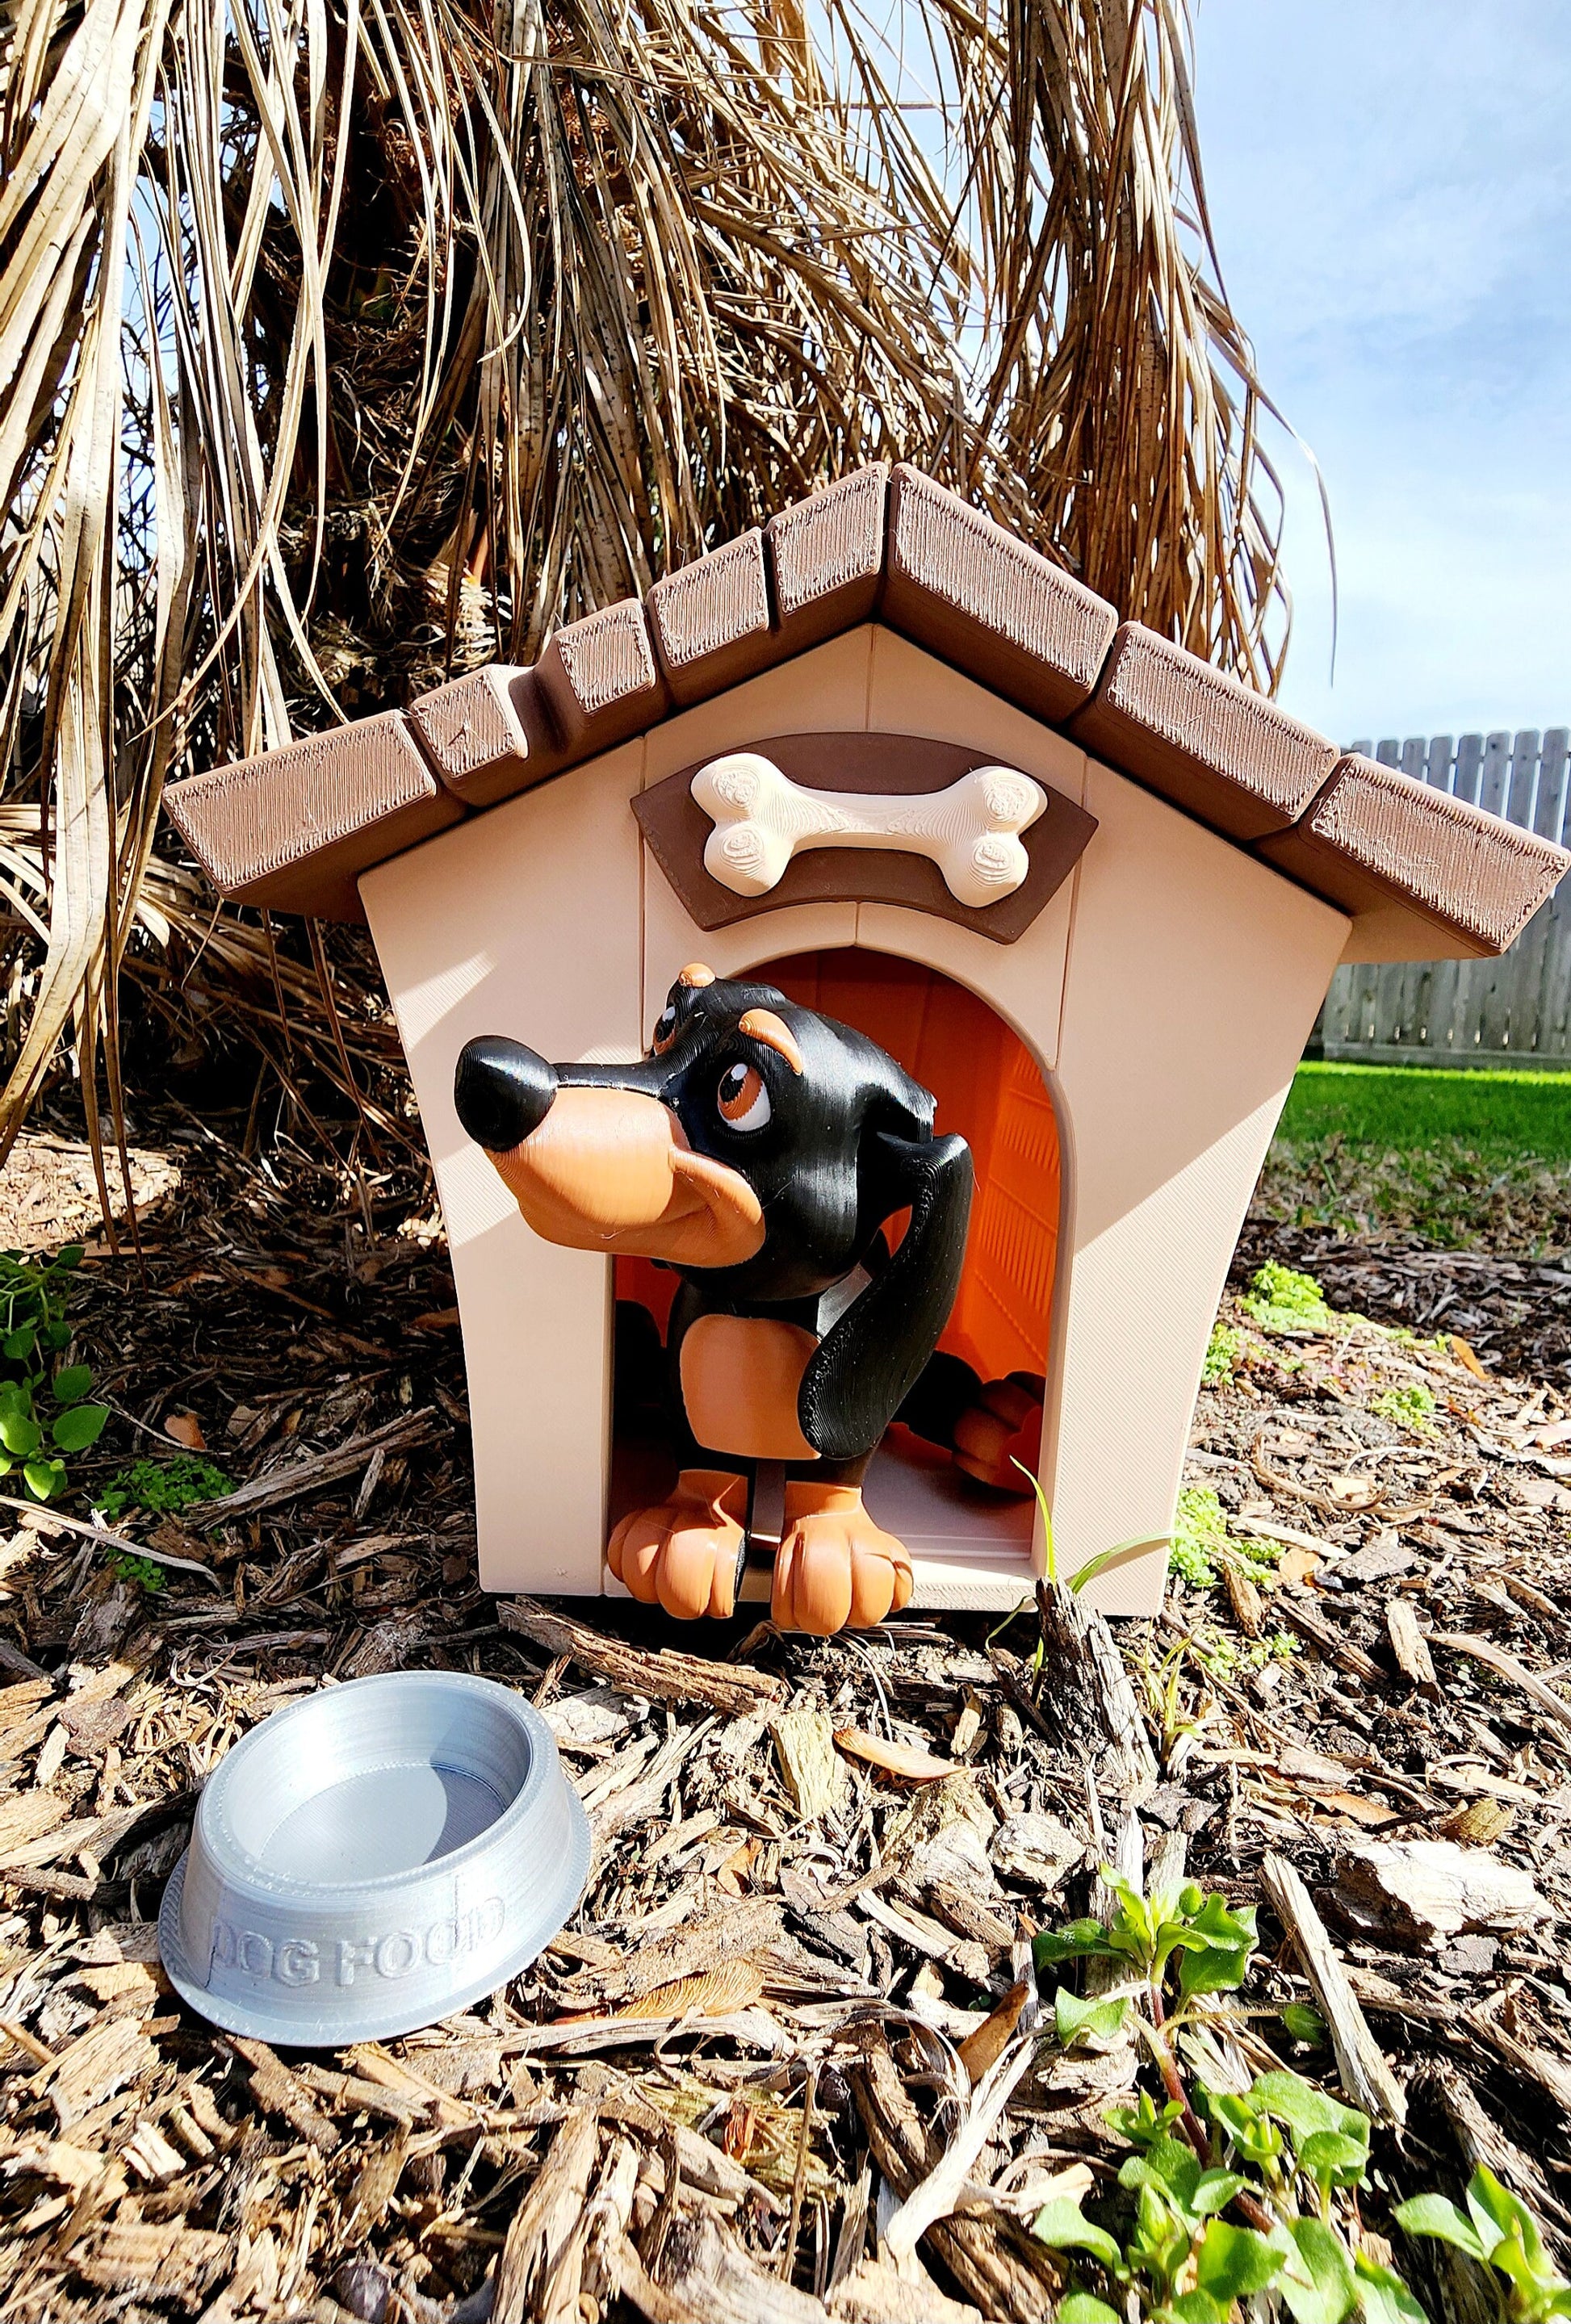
x=1477, y=1161
x=1404, y=1109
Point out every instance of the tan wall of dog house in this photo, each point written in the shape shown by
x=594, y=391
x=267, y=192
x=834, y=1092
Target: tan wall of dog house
x=1195, y=973
x=524, y=920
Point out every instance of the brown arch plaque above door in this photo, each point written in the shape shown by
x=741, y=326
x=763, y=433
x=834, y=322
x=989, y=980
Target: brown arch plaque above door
x=677, y=829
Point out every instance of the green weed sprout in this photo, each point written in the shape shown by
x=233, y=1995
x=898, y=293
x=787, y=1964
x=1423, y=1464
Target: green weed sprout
x=1267, y=2154
x=1411, y=1406
x=1224, y=1353
x=1499, y=2232
x=1093, y=1565
x=1199, y=1535
x=162, y=1487
x=33, y=1332
x=1280, y=1299
x=158, y=1488
x=1179, y=2235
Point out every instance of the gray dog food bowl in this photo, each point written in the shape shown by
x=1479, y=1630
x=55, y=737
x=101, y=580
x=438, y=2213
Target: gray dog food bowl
x=374, y=1858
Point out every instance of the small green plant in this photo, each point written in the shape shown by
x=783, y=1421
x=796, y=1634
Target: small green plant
x=1282, y=2139
x=1412, y=1406
x=1280, y=2154
x=1162, y=1682
x=143, y=1570
x=1199, y=1535
x=1220, y=1655
x=162, y=1487
x=157, y=1488
x=1205, y=1944
x=1280, y=1299
x=1499, y=2232
x=33, y=1332
x=1176, y=2238
x=1224, y=1353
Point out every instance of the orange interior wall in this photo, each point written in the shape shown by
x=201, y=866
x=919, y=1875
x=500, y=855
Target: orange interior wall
x=988, y=1088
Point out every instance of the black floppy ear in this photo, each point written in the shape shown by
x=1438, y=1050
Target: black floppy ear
x=859, y=1376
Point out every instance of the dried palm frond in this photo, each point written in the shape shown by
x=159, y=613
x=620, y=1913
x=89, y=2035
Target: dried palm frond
x=344, y=343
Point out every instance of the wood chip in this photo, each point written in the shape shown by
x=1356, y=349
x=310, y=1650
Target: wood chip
x=903, y=1759
x=711, y=2273
x=1329, y=1640
x=804, y=1744
x=538, y=2233
x=1409, y=1647
x=278, y=2092
x=99, y=2062
x=1367, y=2080
x=312, y=1474
x=1090, y=1689
x=1423, y=1892
x=170, y=2262
x=1245, y=1599
x=714, y=1993
x=873, y=2294
x=27, y=1816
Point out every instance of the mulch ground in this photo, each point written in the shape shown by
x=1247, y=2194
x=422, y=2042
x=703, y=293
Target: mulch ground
x=761, y=2029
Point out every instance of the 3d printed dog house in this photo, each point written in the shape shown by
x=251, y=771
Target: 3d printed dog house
x=528, y=849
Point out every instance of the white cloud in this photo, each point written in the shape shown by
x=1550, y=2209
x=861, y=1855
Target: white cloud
x=1391, y=197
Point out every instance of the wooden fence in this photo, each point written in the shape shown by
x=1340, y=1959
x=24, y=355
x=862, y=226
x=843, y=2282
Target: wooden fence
x=1515, y=1011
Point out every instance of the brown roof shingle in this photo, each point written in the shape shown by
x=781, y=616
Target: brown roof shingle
x=1374, y=836
x=293, y=829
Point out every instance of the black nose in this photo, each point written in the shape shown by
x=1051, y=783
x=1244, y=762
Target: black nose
x=502, y=1091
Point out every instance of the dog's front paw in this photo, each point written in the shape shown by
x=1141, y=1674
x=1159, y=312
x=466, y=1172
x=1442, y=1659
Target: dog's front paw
x=1004, y=1427
x=835, y=1568
x=684, y=1556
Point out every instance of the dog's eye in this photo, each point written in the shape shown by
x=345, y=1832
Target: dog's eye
x=665, y=1030
x=742, y=1097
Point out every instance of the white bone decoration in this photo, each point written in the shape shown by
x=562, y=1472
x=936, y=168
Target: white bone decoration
x=971, y=831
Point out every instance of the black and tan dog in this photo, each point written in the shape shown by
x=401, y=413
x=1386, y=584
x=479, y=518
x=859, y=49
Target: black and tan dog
x=758, y=1149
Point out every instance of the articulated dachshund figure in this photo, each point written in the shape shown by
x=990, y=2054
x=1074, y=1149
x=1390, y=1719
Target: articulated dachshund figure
x=758, y=1151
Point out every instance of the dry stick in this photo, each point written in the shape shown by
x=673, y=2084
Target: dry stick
x=800, y=2178
x=1408, y=1644
x=668, y=1677
x=935, y=2196
x=41, y=1519
x=1504, y=1665
x=1366, y=2079
x=320, y=1469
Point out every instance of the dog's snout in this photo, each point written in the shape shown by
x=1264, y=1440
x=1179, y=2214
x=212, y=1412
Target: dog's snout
x=503, y=1091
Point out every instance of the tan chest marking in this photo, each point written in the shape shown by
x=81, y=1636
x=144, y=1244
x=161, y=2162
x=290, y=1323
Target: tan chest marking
x=740, y=1377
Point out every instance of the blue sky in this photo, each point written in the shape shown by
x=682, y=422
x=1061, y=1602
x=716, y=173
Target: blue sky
x=1390, y=187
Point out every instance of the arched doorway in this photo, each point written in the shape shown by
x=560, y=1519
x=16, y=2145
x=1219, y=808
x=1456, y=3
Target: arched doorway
x=990, y=1089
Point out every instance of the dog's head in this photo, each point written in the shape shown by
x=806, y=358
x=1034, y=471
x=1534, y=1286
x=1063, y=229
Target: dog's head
x=755, y=1140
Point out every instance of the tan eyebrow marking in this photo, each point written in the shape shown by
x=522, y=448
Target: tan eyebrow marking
x=763, y=1025
x=696, y=975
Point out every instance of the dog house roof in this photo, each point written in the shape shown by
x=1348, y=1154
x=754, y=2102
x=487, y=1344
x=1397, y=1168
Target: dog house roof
x=294, y=829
